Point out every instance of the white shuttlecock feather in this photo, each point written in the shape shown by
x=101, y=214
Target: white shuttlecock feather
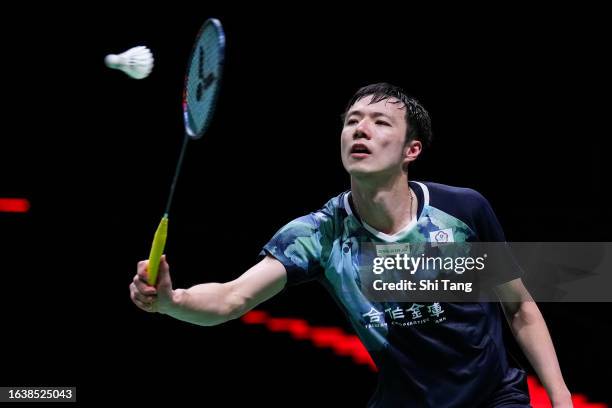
x=137, y=62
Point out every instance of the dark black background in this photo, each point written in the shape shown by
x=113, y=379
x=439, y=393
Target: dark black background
x=517, y=98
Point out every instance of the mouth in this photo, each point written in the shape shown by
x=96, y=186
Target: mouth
x=359, y=151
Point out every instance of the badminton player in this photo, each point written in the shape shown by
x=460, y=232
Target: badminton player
x=428, y=354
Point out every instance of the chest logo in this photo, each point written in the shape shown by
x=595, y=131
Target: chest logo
x=442, y=236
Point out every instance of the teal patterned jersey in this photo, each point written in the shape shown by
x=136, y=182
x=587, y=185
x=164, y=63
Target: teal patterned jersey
x=428, y=354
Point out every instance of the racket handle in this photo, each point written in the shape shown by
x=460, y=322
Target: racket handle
x=157, y=249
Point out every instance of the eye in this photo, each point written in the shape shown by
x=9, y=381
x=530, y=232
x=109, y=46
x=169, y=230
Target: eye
x=351, y=121
x=383, y=123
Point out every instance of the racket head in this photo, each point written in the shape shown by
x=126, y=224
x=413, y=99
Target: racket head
x=203, y=78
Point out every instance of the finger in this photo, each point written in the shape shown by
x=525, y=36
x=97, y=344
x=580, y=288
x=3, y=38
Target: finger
x=142, y=269
x=144, y=306
x=143, y=286
x=140, y=301
x=144, y=299
x=135, y=294
x=164, y=281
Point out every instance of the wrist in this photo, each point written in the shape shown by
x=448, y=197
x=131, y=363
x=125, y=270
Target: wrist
x=174, y=302
x=560, y=397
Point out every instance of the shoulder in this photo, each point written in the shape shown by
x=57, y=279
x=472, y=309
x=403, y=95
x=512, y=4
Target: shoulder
x=333, y=210
x=324, y=218
x=443, y=195
x=467, y=205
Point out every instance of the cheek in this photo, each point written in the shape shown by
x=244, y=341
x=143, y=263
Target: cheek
x=392, y=147
x=393, y=140
x=388, y=143
x=345, y=138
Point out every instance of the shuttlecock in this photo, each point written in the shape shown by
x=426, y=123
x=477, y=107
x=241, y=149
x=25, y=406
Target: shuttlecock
x=137, y=62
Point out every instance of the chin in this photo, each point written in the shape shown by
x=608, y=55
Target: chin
x=359, y=171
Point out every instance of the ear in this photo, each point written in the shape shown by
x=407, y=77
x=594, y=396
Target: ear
x=412, y=150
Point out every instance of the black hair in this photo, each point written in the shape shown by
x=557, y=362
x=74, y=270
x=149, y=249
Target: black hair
x=417, y=117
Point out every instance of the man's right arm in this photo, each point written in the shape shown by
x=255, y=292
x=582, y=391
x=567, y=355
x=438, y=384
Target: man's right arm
x=209, y=304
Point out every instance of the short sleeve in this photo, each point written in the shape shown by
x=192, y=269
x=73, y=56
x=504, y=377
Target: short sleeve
x=298, y=247
x=489, y=229
x=487, y=225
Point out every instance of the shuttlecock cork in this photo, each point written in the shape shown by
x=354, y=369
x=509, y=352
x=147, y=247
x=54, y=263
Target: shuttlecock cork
x=137, y=62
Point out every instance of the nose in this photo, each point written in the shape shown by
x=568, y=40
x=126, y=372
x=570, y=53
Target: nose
x=362, y=131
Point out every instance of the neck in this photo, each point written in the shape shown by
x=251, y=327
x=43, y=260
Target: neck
x=387, y=206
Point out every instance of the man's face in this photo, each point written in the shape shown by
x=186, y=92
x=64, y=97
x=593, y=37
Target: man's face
x=373, y=137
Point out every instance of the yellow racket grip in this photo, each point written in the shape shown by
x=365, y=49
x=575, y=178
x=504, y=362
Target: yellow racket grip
x=157, y=249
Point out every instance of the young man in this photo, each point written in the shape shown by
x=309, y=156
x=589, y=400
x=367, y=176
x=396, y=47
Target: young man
x=444, y=354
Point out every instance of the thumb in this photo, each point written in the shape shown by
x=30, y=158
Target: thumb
x=164, y=281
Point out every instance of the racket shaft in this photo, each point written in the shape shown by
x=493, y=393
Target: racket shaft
x=157, y=249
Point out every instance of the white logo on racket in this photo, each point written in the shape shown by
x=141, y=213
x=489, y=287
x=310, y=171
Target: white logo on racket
x=205, y=80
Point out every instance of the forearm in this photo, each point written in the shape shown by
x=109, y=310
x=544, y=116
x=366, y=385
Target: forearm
x=534, y=339
x=207, y=304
